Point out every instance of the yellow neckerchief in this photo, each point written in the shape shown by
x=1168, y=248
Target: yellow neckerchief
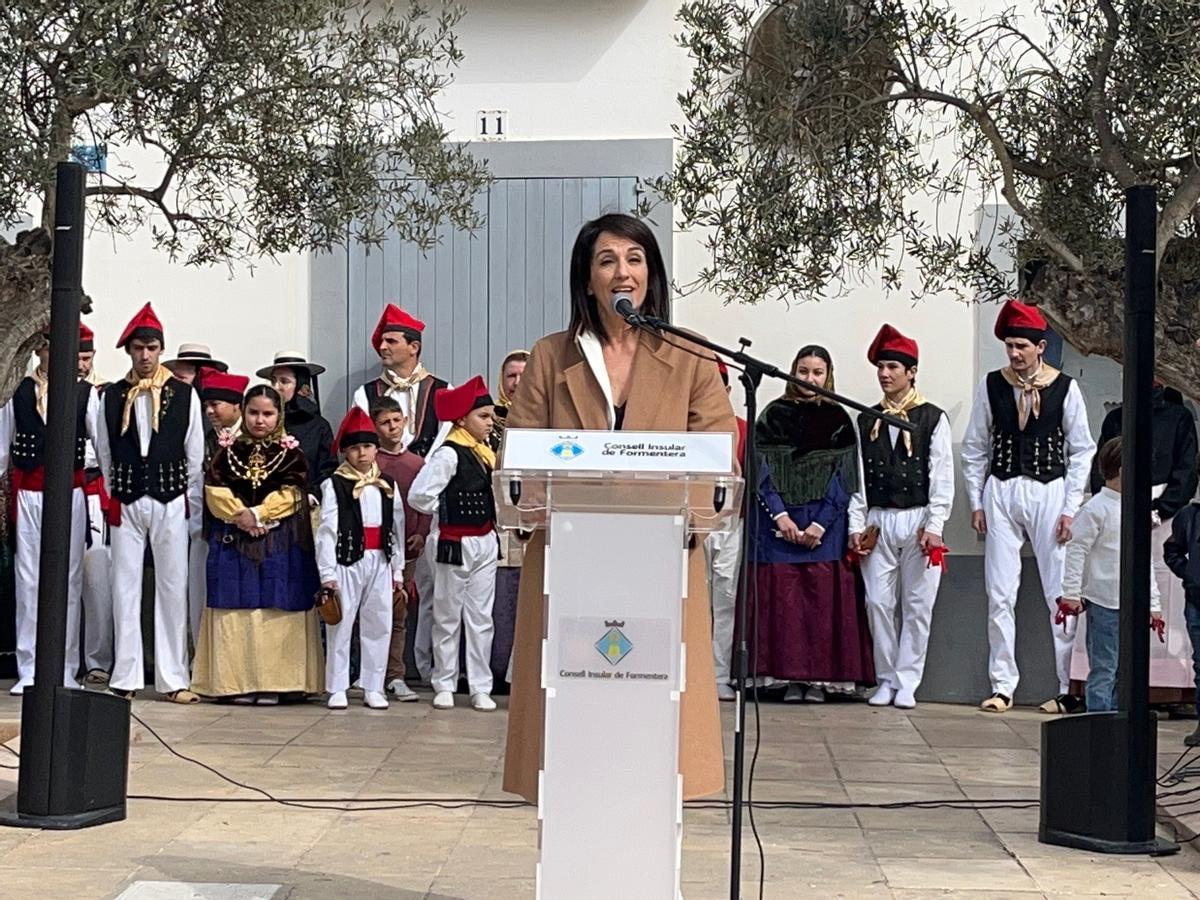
x=515, y=356
x=406, y=384
x=462, y=437
x=41, y=390
x=899, y=410
x=93, y=378
x=363, y=480
x=152, y=386
x=1031, y=390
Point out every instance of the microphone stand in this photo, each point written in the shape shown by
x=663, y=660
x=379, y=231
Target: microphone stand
x=753, y=371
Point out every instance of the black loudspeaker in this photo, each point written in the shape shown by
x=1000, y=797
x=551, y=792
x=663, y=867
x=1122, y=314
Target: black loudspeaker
x=1089, y=795
x=85, y=778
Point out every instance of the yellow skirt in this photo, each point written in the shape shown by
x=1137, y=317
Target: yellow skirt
x=248, y=651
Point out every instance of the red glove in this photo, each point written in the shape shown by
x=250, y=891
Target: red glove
x=1065, y=611
x=937, y=557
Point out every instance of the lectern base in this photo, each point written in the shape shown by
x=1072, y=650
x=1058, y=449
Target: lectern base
x=66, y=822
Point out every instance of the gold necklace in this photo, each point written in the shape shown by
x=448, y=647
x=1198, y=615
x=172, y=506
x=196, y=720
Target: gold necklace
x=257, y=468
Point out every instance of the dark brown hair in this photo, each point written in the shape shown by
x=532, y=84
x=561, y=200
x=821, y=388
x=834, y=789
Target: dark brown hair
x=585, y=315
x=792, y=392
x=1109, y=459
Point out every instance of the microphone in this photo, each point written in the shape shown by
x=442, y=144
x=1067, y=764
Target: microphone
x=622, y=305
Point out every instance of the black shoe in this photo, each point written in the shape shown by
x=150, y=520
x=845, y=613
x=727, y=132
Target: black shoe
x=1193, y=739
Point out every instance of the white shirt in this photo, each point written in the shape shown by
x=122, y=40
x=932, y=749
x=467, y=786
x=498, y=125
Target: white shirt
x=431, y=481
x=8, y=429
x=941, y=481
x=371, y=504
x=1093, y=566
x=193, y=448
x=1080, y=447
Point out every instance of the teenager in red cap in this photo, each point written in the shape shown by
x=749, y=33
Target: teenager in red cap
x=221, y=395
x=1026, y=456
x=905, y=498
x=151, y=448
x=397, y=339
x=360, y=554
x=456, y=482
x=23, y=442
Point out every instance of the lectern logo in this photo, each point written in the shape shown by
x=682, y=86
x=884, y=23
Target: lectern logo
x=614, y=646
x=566, y=450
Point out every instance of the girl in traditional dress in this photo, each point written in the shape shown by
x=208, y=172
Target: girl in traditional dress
x=806, y=599
x=259, y=636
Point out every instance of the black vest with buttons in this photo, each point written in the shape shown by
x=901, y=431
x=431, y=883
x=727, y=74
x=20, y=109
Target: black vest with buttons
x=29, y=431
x=468, y=498
x=895, y=480
x=162, y=473
x=1038, y=452
x=350, y=545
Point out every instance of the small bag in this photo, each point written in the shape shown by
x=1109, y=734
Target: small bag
x=869, y=538
x=329, y=605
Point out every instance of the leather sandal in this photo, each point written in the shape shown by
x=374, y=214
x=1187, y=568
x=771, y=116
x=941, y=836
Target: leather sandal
x=997, y=703
x=96, y=677
x=124, y=695
x=183, y=696
x=1062, y=705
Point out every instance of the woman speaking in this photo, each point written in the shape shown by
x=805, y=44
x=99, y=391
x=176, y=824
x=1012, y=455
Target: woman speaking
x=603, y=374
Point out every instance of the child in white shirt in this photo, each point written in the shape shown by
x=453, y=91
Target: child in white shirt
x=1092, y=580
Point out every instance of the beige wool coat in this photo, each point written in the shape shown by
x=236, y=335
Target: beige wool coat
x=669, y=390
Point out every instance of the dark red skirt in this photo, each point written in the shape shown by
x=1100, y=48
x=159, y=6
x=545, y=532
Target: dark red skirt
x=811, y=623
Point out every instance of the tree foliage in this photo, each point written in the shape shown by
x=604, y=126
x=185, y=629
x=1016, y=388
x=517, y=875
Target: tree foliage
x=816, y=133
x=274, y=125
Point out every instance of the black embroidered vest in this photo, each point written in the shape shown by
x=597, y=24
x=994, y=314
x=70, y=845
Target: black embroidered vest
x=350, y=547
x=425, y=420
x=1038, y=452
x=468, y=498
x=29, y=431
x=162, y=473
x=895, y=480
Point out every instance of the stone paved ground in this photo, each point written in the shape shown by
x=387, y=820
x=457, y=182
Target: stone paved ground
x=839, y=753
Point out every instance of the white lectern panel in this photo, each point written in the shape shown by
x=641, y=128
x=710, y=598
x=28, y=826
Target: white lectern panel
x=612, y=668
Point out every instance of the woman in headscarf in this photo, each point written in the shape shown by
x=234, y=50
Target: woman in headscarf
x=259, y=634
x=295, y=378
x=512, y=548
x=806, y=601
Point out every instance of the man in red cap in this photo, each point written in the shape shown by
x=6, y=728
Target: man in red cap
x=456, y=482
x=360, y=554
x=903, y=502
x=1026, y=456
x=23, y=442
x=221, y=396
x=397, y=339
x=151, y=448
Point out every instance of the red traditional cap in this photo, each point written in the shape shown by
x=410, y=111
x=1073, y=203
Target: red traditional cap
x=224, y=386
x=891, y=344
x=452, y=404
x=87, y=339
x=356, y=428
x=1020, y=320
x=396, y=319
x=144, y=325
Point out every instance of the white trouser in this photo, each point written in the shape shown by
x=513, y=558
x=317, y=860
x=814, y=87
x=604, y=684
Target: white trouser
x=97, y=594
x=366, y=590
x=462, y=599
x=165, y=527
x=423, y=575
x=1015, y=509
x=27, y=565
x=722, y=552
x=901, y=589
x=197, y=588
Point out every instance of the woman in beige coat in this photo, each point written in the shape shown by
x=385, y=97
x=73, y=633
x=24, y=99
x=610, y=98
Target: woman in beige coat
x=602, y=374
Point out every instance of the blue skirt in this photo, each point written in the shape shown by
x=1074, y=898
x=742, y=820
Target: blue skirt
x=271, y=572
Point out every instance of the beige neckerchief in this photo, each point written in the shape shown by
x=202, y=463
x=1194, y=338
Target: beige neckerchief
x=152, y=386
x=41, y=391
x=899, y=410
x=363, y=480
x=1030, y=399
x=406, y=384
